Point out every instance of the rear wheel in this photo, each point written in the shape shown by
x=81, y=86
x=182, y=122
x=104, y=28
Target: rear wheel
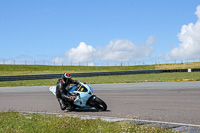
x=99, y=104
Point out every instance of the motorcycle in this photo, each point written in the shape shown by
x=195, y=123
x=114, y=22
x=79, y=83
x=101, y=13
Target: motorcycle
x=84, y=97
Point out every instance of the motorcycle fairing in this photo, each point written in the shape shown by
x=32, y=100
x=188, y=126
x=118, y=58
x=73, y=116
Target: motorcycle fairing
x=53, y=89
x=84, y=92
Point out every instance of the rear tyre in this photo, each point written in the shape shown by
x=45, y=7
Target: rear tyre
x=99, y=104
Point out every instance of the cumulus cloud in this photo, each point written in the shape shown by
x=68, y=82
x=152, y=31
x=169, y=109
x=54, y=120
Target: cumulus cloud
x=116, y=50
x=119, y=50
x=190, y=41
x=83, y=53
x=57, y=60
x=125, y=50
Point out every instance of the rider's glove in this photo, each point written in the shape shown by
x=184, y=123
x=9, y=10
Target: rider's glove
x=72, y=98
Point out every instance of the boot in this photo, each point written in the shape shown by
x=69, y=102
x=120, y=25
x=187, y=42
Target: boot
x=62, y=104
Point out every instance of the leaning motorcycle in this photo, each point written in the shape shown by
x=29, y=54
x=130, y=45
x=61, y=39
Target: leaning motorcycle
x=84, y=97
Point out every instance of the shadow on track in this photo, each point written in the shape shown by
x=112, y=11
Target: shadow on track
x=86, y=110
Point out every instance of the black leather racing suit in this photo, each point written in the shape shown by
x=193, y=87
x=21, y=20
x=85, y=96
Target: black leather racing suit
x=62, y=90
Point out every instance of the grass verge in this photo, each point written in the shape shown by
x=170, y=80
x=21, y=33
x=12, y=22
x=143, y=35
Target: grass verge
x=161, y=77
x=44, y=69
x=38, y=123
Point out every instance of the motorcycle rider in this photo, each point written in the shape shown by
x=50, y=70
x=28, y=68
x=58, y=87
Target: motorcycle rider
x=62, y=88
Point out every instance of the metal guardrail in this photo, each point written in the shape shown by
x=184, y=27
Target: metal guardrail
x=91, y=74
x=182, y=70
x=175, y=70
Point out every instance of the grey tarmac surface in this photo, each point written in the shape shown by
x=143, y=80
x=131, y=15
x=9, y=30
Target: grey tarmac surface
x=177, y=102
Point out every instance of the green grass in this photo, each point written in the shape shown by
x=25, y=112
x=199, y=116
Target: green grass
x=13, y=122
x=42, y=69
x=162, y=77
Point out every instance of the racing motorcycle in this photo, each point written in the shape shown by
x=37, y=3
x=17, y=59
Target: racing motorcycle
x=84, y=97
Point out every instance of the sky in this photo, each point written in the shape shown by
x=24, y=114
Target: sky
x=99, y=31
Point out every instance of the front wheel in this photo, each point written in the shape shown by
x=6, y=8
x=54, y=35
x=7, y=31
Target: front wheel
x=99, y=104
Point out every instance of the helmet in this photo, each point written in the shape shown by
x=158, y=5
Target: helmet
x=66, y=77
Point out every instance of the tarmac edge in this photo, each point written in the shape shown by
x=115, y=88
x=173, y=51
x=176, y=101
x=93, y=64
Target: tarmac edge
x=180, y=127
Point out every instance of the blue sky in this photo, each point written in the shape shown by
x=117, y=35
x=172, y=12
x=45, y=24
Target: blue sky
x=99, y=30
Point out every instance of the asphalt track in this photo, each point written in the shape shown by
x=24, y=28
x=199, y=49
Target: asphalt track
x=177, y=102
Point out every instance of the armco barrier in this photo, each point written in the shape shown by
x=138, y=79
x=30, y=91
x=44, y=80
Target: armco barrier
x=90, y=74
x=29, y=77
x=175, y=70
x=182, y=70
x=196, y=70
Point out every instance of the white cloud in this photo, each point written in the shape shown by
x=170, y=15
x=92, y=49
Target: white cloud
x=116, y=50
x=91, y=64
x=83, y=53
x=198, y=11
x=57, y=60
x=125, y=50
x=190, y=41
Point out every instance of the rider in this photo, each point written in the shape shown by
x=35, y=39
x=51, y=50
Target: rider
x=62, y=87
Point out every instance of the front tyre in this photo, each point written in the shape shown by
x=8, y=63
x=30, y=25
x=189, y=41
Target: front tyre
x=99, y=104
